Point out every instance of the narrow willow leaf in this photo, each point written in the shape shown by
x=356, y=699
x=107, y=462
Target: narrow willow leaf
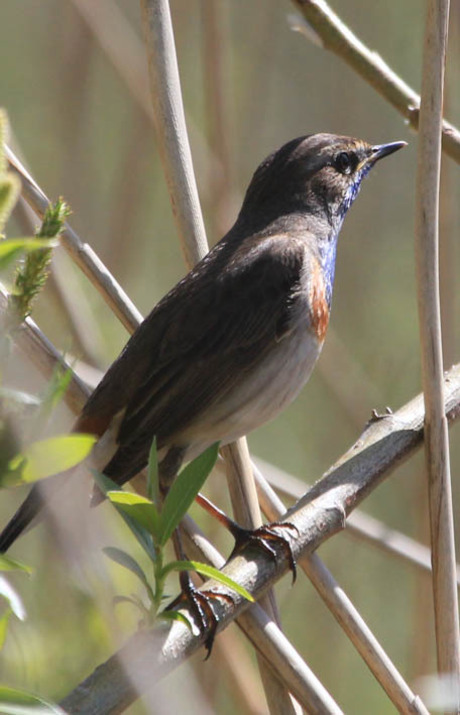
x=184, y=490
x=123, y=559
x=18, y=702
x=51, y=456
x=12, y=248
x=55, y=391
x=137, y=603
x=209, y=572
x=143, y=536
x=175, y=616
x=138, y=508
x=15, y=603
x=9, y=564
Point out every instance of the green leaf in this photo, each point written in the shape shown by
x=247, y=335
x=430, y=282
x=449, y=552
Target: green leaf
x=138, y=508
x=17, y=702
x=51, y=456
x=12, y=248
x=209, y=572
x=134, y=602
x=9, y=564
x=15, y=603
x=153, y=482
x=123, y=559
x=175, y=616
x=184, y=490
x=143, y=536
x=55, y=391
x=54, y=219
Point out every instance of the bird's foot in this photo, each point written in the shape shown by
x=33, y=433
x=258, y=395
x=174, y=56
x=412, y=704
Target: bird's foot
x=266, y=537
x=199, y=602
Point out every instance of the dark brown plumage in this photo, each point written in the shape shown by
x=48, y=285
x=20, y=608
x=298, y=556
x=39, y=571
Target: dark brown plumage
x=233, y=342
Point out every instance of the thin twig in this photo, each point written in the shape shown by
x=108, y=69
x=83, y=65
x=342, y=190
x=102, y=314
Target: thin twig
x=436, y=434
x=335, y=36
x=81, y=253
x=348, y=617
x=361, y=526
x=245, y=505
x=76, y=310
x=171, y=131
x=125, y=51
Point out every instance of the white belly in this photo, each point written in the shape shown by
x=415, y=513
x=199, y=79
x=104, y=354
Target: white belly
x=261, y=397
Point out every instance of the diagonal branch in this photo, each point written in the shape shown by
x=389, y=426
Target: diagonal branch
x=318, y=515
x=335, y=36
x=81, y=253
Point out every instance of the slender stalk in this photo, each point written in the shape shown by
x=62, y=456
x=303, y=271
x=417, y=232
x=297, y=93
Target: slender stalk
x=436, y=435
x=348, y=617
x=171, y=130
x=81, y=253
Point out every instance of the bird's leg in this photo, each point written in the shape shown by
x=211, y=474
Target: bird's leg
x=199, y=601
x=265, y=536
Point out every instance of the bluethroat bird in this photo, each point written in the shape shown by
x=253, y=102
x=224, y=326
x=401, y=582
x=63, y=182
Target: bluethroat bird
x=235, y=340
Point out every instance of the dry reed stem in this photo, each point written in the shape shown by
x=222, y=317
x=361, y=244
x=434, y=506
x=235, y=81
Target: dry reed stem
x=436, y=433
x=81, y=253
x=348, y=617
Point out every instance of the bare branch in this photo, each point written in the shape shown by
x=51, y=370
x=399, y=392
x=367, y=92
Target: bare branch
x=318, y=515
x=335, y=36
x=171, y=131
x=81, y=253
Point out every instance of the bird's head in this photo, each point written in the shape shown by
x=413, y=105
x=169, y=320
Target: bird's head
x=314, y=178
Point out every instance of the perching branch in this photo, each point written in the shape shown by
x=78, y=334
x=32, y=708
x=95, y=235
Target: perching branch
x=318, y=515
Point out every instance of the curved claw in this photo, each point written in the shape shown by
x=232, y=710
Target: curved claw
x=200, y=605
x=264, y=536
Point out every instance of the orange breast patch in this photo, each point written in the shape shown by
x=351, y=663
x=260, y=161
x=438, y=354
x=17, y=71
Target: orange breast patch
x=319, y=308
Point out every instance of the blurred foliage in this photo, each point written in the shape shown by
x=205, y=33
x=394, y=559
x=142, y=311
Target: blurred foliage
x=84, y=136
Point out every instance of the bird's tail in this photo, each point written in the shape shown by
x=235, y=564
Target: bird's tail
x=22, y=519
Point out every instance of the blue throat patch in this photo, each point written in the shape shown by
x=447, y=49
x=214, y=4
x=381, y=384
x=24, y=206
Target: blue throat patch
x=328, y=250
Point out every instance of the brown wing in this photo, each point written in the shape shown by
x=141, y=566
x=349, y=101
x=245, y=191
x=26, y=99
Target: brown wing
x=216, y=323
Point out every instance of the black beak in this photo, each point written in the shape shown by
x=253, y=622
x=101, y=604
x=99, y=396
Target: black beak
x=381, y=150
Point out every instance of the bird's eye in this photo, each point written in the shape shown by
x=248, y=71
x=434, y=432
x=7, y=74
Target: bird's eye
x=343, y=162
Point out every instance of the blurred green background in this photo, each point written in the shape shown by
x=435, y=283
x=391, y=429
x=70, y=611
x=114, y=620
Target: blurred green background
x=249, y=85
